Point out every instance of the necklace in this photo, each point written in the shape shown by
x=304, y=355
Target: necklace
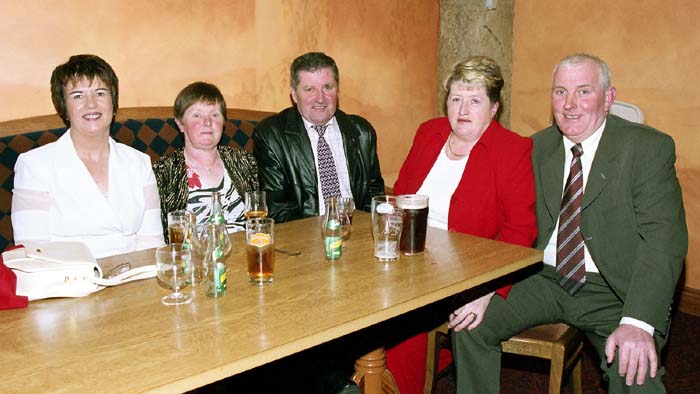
x=449, y=147
x=199, y=168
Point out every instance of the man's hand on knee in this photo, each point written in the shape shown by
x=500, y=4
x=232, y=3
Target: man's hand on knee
x=469, y=316
x=637, y=353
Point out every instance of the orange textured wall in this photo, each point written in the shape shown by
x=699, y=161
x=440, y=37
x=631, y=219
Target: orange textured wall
x=386, y=52
x=653, y=50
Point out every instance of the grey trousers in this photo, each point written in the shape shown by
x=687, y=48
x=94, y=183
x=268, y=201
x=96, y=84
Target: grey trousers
x=539, y=299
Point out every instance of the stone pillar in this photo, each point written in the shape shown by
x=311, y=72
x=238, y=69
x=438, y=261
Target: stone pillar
x=476, y=27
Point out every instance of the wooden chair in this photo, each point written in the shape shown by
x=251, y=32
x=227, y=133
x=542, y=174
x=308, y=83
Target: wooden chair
x=559, y=343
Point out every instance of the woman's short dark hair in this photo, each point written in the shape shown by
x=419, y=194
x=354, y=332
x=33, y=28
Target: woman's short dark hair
x=198, y=92
x=77, y=68
x=311, y=62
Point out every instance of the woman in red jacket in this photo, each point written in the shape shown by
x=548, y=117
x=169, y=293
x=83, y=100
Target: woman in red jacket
x=479, y=180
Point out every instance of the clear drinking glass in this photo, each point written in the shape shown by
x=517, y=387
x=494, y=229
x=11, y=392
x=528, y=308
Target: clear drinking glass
x=174, y=268
x=178, y=226
x=255, y=205
x=260, y=250
x=347, y=208
x=182, y=228
x=387, y=224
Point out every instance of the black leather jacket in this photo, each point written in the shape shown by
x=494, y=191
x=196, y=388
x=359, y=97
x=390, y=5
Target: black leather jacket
x=286, y=168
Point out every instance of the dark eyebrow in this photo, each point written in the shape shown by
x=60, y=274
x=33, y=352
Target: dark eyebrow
x=83, y=90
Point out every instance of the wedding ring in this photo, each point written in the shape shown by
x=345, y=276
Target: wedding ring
x=472, y=314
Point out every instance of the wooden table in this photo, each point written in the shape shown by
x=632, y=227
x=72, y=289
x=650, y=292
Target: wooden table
x=123, y=340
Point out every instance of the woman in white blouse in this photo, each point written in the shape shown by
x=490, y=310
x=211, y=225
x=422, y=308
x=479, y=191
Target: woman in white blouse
x=85, y=186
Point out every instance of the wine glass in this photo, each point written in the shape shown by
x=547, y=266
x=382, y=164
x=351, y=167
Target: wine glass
x=255, y=205
x=174, y=268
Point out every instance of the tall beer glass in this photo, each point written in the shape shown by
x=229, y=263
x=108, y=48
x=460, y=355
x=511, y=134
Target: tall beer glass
x=386, y=227
x=415, y=223
x=260, y=250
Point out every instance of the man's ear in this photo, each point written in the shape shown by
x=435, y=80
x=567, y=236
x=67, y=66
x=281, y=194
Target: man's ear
x=610, y=95
x=293, y=93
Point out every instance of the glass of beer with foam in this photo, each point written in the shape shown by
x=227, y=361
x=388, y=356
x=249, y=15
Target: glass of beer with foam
x=415, y=223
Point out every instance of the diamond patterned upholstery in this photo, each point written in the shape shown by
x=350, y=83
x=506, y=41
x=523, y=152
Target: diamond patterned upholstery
x=155, y=136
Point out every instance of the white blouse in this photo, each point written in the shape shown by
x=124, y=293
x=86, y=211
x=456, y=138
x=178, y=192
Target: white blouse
x=56, y=198
x=439, y=185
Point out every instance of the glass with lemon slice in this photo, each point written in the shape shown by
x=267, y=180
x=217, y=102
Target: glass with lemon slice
x=260, y=250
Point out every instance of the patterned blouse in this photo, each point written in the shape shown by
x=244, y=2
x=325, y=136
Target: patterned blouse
x=174, y=185
x=199, y=201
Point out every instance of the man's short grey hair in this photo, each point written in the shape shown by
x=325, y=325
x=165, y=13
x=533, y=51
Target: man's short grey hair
x=578, y=58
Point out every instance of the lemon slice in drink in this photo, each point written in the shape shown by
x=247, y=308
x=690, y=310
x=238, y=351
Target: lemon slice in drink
x=260, y=239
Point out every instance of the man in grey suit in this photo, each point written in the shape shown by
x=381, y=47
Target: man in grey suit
x=612, y=226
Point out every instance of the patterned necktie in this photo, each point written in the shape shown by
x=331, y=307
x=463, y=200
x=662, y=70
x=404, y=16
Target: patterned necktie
x=326, y=166
x=570, y=257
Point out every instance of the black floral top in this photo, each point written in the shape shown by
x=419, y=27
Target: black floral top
x=174, y=181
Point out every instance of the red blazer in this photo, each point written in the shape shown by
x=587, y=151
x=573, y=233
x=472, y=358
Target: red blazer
x=495, y=197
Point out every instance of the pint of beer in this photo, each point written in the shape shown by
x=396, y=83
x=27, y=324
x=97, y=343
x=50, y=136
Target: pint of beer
x=260, y=250
x=415, y=223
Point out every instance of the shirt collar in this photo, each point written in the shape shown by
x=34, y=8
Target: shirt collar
x=590, y=144
x=308, y=125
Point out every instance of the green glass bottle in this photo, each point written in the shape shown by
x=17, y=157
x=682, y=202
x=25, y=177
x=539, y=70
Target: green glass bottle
x=214, y=262
x=332, y=233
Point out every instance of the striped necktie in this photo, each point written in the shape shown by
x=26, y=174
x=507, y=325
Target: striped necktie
x=570, y=257
x=326, y=166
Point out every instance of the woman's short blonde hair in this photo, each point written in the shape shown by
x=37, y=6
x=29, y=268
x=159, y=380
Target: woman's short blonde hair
x=479, y=71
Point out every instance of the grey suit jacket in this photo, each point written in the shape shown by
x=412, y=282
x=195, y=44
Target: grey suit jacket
x=632, y=218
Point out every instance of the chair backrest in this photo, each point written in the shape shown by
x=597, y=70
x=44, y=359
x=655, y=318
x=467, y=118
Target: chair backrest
x=627, y=111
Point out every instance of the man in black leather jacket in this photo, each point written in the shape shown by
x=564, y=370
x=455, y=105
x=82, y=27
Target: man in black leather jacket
x=284, y=145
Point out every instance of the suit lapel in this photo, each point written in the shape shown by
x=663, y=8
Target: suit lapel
x=603, y=168
x=552, y=176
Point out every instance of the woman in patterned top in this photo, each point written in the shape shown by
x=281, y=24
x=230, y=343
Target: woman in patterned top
x=187, y=177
